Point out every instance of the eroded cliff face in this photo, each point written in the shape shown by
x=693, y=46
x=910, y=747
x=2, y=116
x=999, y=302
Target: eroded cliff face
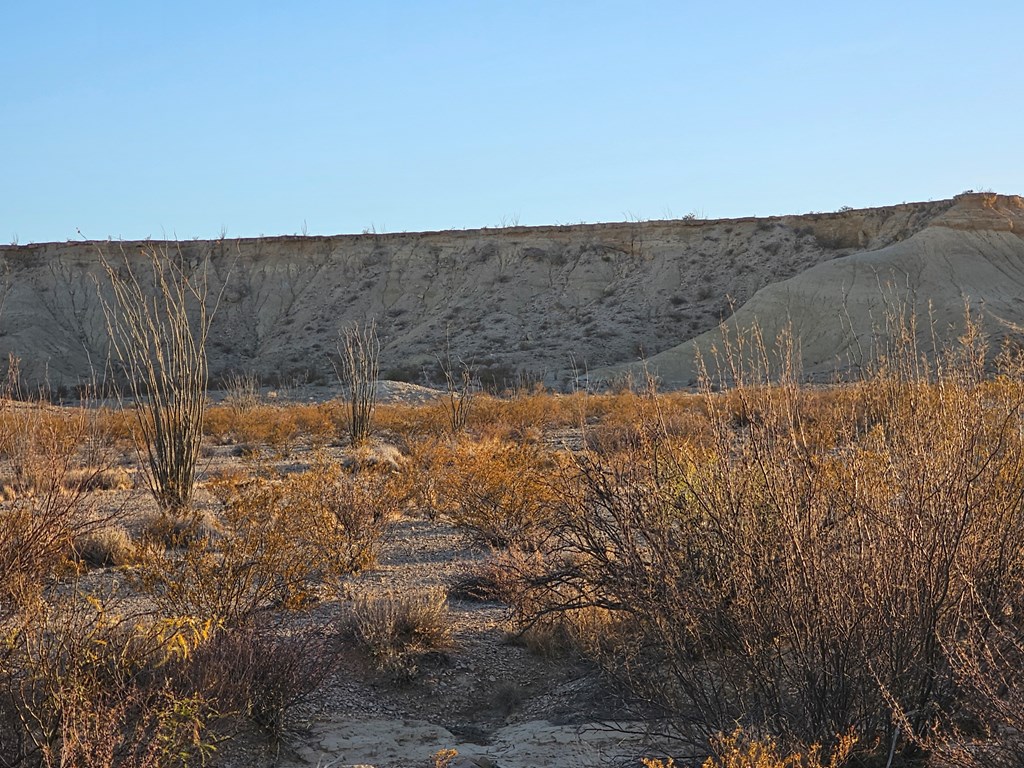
x=839, y=313
x=547, y=301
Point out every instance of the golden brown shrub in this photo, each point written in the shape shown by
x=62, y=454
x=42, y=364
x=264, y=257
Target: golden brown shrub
x=395, y=629
x=500, y=491
x=281, y=542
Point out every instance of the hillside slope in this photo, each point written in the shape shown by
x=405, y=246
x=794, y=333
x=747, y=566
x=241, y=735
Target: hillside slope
x=541, y=300
x=971, y=257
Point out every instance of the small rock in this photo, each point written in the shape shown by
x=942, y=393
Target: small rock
x=480, y=761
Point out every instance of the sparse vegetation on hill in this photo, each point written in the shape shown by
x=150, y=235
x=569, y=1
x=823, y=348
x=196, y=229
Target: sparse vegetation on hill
x=540, y=301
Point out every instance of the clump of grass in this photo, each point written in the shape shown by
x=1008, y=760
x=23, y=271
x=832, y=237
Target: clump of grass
x=107, y=547
x=175, y=532
x=507, y=696
x=377, y=457
x=98, y=479
x=741, y=750
x=477, y=586
x=395, y=630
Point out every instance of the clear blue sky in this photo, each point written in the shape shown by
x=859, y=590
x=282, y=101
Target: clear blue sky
x=136, y=119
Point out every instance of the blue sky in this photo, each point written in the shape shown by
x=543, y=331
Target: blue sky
x=188, y=119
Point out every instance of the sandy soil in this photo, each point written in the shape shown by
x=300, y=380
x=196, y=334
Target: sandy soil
x=489, y=697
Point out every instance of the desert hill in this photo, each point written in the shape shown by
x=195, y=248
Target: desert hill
x=969, y=258
x=546, y=302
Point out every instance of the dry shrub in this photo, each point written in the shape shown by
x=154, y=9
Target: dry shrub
x=548, y=624
x=612, y=423
x=252, y=568
x=47, y=446
x=524, y=417
x=587, y=632
x=316, y=422
x=807, y=567
x=627, y=421
x=110, y=546
x=278, y=427
x=377, y=457
x=443, y=758
x=200, y=527
x=499, y=491
x=262, y=671
x=986, y=653
x=282, y=541
x=396, y=630
x=120, y=425
x=428, y=464
x=272, y=426
x=741, y=750
x=98, y=479
x=241, y=392
x=88, y=687
x=219, y=424
x=36, y=533
x=95, y=689
x=280, y=431
x=255, y=425
x=477, y=585
x=55, y=455
x=409, y=423
x=342, y=518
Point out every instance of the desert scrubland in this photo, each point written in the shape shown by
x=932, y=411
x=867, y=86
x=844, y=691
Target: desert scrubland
x=792, y=538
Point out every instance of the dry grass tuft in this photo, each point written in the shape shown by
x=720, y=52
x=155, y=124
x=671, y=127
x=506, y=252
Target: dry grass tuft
x=111, y=546
x=173, y=532
x=377, y=457
x=740, y=750
x=98, y=479
x=395, y=630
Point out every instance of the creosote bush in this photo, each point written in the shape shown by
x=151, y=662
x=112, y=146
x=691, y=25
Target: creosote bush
x=50, y=501
x=499, y=491
x=88, y=686
x=96, y=689
x=281, y=542
x=812, y=565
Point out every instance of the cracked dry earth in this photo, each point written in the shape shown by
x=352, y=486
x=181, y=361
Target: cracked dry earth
x=490, y=698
